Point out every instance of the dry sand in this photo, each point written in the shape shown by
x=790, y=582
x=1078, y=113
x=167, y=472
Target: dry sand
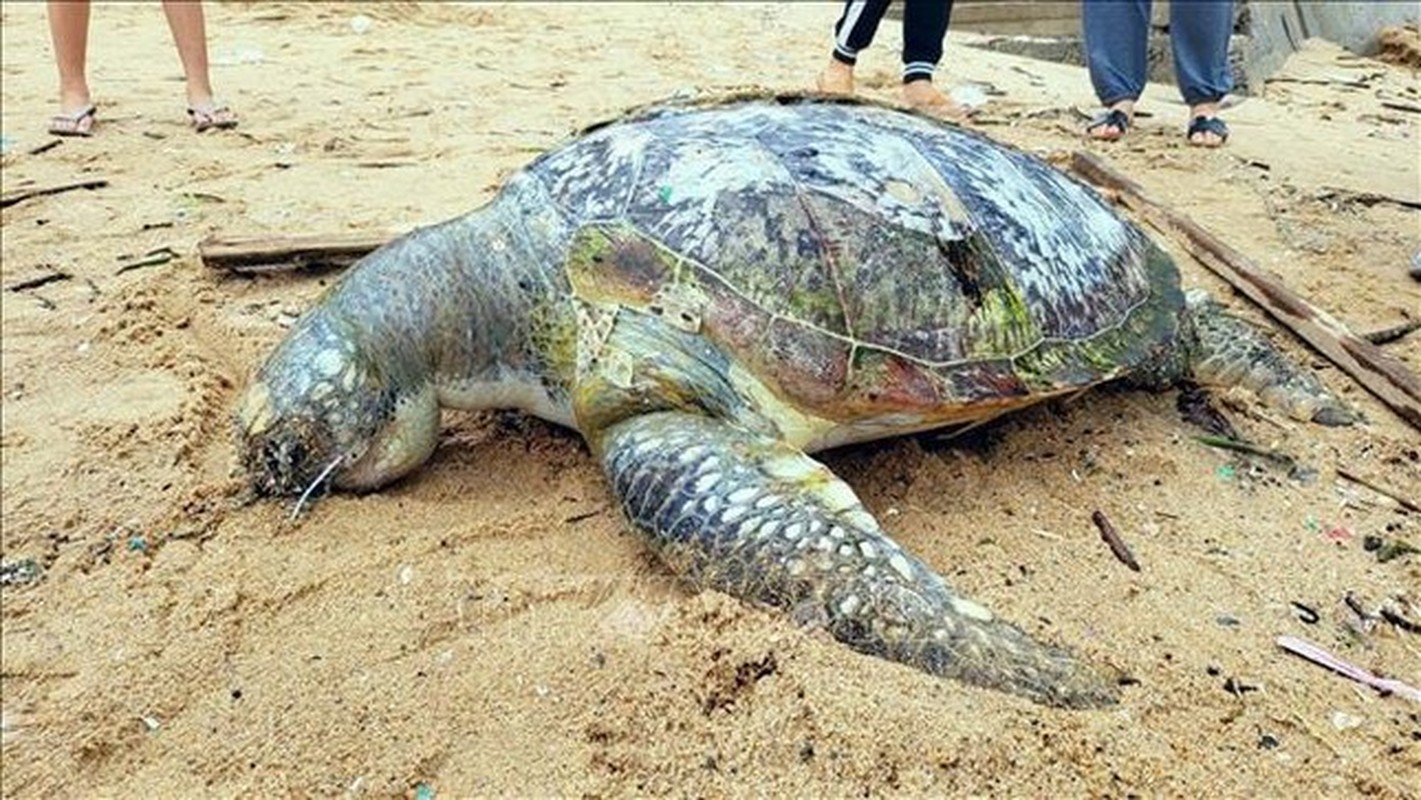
x=489, y=626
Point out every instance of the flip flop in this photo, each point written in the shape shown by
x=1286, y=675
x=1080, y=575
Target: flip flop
x=1212, y=125
x=208, y=117
x=74, y=123
x=1114, y=118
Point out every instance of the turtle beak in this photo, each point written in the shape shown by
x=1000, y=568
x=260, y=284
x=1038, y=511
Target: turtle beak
x=282, y=452
x=273, y=460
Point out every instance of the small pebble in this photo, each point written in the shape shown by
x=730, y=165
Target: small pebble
x=1236, y=687
x=1268, y=742
x=20, y=572
x=1343, y=721
x=361, y=24
x=1305, y=613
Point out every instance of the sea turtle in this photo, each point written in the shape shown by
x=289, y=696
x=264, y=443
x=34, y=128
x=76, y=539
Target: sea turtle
x=708, y=291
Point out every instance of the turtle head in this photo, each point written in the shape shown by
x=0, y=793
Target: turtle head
x=325, y=407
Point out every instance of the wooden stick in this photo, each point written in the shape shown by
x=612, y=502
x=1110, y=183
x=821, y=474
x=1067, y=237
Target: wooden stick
x=152, y=258
x=1380, y=373
x=42, y=280
x=27, y=194
x=1239, y=446
x=273, y=253
x=1410, y=505
x=1112, y=538
x=1395, y=332
x=47, y=146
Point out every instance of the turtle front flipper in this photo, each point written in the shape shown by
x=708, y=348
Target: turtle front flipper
x=1226, y=351
x=748, y=515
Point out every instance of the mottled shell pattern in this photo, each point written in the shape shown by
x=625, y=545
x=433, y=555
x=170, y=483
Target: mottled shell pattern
x=862, y=260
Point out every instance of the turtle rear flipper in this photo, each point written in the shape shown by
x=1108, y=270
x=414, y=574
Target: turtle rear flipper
x=1226, y=351
x=751, y=516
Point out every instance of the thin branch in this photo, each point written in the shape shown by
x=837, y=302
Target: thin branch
x=27, y=194
x=1112, y=538
x=1343, y=472
x=42, y=280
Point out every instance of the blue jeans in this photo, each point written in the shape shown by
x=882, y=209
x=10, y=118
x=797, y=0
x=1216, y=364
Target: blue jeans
x=1117, y=40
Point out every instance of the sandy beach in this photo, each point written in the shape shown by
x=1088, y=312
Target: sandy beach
x=490, y=626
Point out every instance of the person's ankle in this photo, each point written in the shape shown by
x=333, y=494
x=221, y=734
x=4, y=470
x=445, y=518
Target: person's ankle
x=200, y=96
x=837, y=77
x=1204, y=110
x=75, y=99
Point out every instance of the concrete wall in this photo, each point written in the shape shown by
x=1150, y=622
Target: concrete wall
x=1275, y=28
x=1267, y=31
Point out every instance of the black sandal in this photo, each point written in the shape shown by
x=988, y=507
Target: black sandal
x=1212, y=125
x=1114, y=118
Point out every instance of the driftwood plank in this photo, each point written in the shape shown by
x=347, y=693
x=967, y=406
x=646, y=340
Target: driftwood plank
x=1378, y=372
x=11, y=198
x=278, y=253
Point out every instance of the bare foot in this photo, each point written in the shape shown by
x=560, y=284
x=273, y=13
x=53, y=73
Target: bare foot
x=836, y=78
x=922, y=96
x=1114, y=123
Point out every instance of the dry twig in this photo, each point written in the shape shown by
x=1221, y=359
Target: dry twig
x=27, y=194
x=1112, y=538
x=1346, y=474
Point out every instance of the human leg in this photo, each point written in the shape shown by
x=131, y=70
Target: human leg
x=189, y=27
x=69, y=30
x=853, y=32
x=1199, y=36
x=1117, y=56
x=924, y=28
